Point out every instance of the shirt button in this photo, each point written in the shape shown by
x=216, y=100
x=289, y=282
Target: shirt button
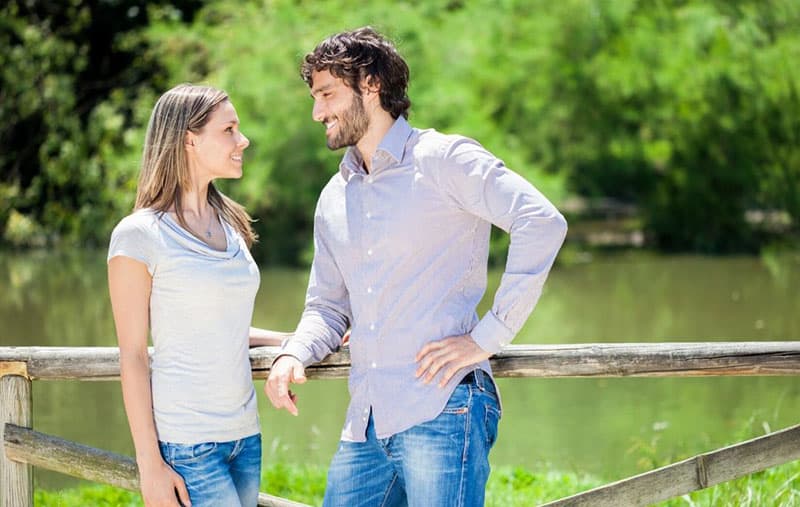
x=369, y=215
x=369, y=179
x=369, y=252
x=372, y=327
x=374, y=364
x=369, y=290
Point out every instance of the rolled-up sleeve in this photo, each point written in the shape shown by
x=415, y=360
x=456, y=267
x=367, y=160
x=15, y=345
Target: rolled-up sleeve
x=481, y=184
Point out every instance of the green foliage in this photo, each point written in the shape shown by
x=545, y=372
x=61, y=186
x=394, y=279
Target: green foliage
x=72, y=73
x=301, y=483
x=507, y=487
x=688, y=109
x=97, y=496
x=518, y=487
x=778, y=487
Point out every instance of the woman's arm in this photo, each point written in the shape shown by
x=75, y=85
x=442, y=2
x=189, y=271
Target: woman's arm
x=266, y=337
x=129, y=285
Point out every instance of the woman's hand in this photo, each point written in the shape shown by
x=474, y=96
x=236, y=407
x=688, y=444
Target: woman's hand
x=162, y=486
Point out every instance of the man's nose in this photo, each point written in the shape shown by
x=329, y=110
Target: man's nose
x=318, y=112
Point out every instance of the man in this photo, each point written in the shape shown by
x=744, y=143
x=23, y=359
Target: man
x=401, y=236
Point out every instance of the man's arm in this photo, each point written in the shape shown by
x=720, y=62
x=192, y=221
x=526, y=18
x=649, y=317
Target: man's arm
x=480, y=184
x=325, y=320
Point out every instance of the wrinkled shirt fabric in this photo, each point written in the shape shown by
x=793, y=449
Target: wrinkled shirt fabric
x=401, y=257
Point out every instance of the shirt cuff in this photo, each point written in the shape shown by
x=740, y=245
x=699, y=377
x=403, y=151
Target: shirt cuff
x=298, y=350
x=491, y=334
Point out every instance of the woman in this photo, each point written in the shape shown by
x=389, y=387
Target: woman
x=179, y=267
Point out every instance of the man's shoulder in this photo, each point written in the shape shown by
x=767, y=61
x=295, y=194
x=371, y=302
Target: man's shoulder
x=332, y=191
x=431, y=144
x=335, y=183
x=428, y=140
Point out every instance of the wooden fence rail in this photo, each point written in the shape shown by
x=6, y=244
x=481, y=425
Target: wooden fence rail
x=52, y=453
x=693, y=474
x=679, y=359
x=24, y=447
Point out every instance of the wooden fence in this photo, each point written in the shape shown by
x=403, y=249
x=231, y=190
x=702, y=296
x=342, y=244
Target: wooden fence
x=24, y=447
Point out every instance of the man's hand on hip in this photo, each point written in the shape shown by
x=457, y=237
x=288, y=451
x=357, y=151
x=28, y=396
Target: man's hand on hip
x=449, y=355
x=285, y=370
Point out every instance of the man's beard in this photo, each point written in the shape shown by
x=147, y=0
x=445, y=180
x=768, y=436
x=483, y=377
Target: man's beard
x=352, y=125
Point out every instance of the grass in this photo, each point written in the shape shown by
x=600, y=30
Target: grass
x=775, y=487
x=508, y=487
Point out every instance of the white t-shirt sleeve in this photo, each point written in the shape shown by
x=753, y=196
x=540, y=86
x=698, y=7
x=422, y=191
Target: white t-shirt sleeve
x=133, y=237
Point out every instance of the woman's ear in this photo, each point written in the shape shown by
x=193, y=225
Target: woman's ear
x=189, y=139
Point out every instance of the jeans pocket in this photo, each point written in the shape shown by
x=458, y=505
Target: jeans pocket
x=181, y=454
x=458, y=403
x=491, y=419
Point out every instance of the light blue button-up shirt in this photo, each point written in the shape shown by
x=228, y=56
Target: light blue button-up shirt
x=401, y=257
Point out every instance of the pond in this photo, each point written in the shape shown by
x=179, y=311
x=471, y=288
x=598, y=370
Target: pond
x=608, y=427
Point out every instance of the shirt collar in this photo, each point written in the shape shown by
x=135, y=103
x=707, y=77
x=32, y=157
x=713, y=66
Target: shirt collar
x=393, y=144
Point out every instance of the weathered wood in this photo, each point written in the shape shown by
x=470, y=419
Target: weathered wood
x=66, y=363
x=674, y=359
x=14, y=368
x=16, y=479
x=576, y=360
x=77, y=460
x=670, y=359
x=70, y=458
x=265, y=500
x=694, y=473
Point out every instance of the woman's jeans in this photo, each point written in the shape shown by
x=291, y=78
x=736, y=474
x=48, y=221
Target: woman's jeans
x=439, y=463
x=218, y=473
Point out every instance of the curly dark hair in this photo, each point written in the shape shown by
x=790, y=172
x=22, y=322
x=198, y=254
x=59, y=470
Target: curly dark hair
x=361, y=54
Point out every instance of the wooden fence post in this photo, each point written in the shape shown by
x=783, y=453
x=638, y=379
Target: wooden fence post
x=16, y=479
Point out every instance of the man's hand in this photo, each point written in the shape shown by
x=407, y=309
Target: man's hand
x=285, y=370
x=450, y=355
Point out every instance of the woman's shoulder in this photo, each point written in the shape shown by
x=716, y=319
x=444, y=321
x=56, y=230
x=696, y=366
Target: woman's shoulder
x=136, y=236
x=140, y=221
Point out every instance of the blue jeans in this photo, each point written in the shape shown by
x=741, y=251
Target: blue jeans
x=218, y=473
x=440, y=463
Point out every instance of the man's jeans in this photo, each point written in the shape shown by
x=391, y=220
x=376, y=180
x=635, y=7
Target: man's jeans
x=439, y=463
x=218, y=473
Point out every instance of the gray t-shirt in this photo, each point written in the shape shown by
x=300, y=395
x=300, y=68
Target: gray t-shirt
x=201, y=307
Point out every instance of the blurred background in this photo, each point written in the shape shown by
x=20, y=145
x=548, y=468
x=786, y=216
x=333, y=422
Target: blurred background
x=679, y=119
x=667, y=131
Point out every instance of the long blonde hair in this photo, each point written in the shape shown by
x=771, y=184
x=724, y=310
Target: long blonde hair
x=165, y=168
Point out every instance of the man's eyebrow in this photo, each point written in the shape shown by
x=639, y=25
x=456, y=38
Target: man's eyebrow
x=321, y=89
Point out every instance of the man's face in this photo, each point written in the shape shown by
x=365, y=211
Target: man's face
x=339, y=108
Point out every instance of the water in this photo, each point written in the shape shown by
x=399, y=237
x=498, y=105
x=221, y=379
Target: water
x=608, y=427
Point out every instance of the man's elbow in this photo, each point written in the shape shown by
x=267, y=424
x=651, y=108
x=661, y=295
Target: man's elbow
x=558, y=226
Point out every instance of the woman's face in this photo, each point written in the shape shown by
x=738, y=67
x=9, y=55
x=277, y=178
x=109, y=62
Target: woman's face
x=216, y=151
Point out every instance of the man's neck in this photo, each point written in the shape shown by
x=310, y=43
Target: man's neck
x=380, y=123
